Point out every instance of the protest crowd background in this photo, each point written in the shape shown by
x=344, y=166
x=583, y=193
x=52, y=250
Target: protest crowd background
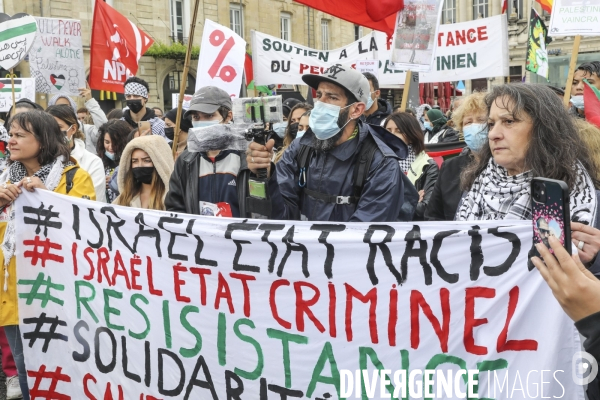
x=302, y=115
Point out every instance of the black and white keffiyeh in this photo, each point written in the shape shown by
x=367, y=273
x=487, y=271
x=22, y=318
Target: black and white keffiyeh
x=407, y=162
x=136, y=89
x=496, y=196
x=50, y=175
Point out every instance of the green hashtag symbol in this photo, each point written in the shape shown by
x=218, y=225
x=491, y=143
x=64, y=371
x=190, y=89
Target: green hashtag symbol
x=35, y=293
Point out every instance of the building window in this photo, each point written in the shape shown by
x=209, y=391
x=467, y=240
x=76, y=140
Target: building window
x=358, y=32
x=286, y=26
x=325, y=34
x=479, y=85
x=177, y=21
x=449, y=12
x=516, y=6
x=480, y=9
x=515, y=74
x=236, y=19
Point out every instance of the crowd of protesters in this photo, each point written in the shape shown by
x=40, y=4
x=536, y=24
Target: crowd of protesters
x=347, y=158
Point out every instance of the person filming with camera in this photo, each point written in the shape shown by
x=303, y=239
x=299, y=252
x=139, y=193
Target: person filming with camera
x=319, y=177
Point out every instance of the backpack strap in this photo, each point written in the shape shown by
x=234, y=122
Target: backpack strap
x=70, y=174
x=361, y=172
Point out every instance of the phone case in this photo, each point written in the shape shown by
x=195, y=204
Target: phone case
x=551, y=217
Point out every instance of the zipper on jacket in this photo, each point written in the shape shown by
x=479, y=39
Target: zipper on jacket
x=214, y=178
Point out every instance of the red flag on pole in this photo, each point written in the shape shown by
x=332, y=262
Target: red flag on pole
x=375, y=14
x=248, y=69
x=116, y=48
x=504, y=6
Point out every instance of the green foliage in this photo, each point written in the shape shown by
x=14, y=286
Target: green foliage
x=174, y=51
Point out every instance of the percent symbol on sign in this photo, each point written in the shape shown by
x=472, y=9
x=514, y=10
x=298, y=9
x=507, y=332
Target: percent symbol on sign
x=226, y=73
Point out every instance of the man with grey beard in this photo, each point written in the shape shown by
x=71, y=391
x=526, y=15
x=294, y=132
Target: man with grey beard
x=324, y=187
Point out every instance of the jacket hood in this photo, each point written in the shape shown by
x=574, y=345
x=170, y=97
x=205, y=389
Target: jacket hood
x=158, y=150
x=55, y=98
x=391, y=141
x=384, y=108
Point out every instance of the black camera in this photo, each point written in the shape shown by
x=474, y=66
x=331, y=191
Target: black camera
x=539, y=192
x=258, y=134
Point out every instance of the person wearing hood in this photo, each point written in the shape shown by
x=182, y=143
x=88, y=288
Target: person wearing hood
x=184, y=126
x=136, y=96
x=90, y=132
x=470, y=119
x=90, y=162
x=436, y=128
x=145, y=169
x=377, y=109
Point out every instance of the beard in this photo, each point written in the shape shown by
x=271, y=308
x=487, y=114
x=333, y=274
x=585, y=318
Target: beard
x=329, y=144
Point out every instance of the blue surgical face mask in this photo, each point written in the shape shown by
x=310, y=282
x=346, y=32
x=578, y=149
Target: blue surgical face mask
x=370, y=101
x=577, y=101
x=279, y=128
x=476, y=135
x=110, y=156
x=300, y=134
x=428, y=125
x=204, y=124
x=323, y=120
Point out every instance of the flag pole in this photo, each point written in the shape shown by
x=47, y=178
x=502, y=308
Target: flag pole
x=12, y=84
x=574, y=54
x=406, y=90
x=186, y=68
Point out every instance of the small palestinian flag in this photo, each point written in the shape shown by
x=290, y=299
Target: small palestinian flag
x=6, y=86
x=591, y=100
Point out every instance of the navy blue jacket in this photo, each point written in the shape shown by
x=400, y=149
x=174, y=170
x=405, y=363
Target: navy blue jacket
x=383, y=111
x=331, y=173
x=196, y=178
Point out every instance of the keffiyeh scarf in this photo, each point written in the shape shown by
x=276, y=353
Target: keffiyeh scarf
x=496, y=196
x=407, y=162
x=50, y=175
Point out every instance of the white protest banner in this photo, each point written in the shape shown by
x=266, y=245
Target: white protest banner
x=371, y=66
x=221, y=61
x=573, y=17
x=278, y=61
x=56, y=59
x=17, y=35
x=416, y=29
x=187, y=99
x=470, y=50
x=24, y=89
x=155, y=305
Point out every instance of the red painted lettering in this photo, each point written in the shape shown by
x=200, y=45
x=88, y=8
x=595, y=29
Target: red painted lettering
x=482, y=33
x=303, y=306
x=515, y=345
x=86, y=255
x=244, y=279
x=371, y=298
x=201, y=272
x=151, y=288
x=471, y=322
x=179, y=283
x=136, y=260
x=442, y=331
x=223, y=292
x=274, y=286
x=120, y=270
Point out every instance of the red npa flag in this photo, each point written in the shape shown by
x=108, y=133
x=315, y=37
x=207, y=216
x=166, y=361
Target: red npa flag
x=375, y=14
x=117, y=45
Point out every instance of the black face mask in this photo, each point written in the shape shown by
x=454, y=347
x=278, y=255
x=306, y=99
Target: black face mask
x=170, y=132
x=135, y=105
x=293, y=130
x=143, y=174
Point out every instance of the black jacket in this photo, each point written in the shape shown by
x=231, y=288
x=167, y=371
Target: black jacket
x=196, y=178
x=446, y=193
x=447, y=134
x=383, y=111
x=426, y=182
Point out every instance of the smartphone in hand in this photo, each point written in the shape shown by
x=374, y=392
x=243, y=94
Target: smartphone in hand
x=550, y=211
x=144, y=128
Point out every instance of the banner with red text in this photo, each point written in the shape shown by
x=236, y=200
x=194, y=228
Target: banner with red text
x=221, y=61
x=123, y=303
x=278, y=61
x=470, y=50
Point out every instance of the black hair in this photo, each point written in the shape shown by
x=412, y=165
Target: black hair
x=67, y=115
x=592, y=67
x=135, y=79
x=158, y=108
x=115, y=113
x=351, y=98
x=118, y=131
x=46, y=131
x=373, y=79
x=408, y=125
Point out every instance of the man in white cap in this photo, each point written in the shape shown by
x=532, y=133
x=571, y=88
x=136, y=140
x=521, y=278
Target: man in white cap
x=136, y=97
x=317, y=177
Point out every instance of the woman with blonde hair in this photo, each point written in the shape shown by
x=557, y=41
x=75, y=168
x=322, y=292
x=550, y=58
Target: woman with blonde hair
x=144, y=171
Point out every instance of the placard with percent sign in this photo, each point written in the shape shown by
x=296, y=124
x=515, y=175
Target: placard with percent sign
x=221, y=61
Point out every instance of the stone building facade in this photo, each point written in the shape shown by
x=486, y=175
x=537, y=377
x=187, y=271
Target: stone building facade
x=168, y=21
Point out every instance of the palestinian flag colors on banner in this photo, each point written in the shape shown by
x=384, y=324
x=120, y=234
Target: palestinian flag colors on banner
x=591, y=100
x=537, y=54
x=6, y=86
x=248, y=71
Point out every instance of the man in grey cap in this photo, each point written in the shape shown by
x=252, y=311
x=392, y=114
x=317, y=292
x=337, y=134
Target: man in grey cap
x=316, y=179
x=205, y=177
x=210, y=105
